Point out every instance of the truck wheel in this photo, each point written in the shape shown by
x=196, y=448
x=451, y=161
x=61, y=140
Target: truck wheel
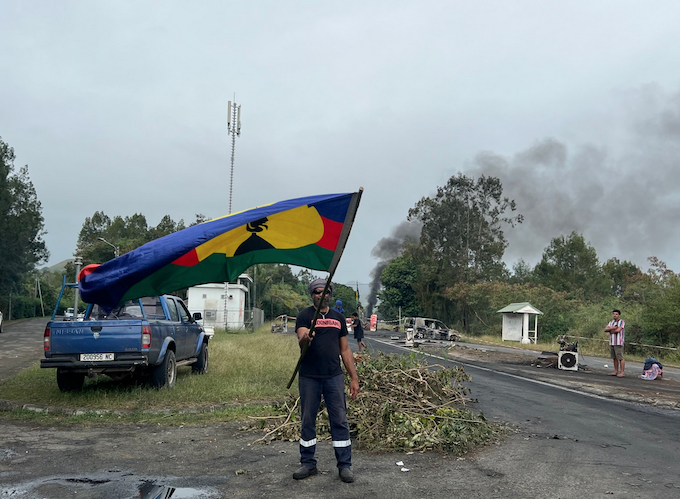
x=201, y=365
x=68, y=381
x=164, y=374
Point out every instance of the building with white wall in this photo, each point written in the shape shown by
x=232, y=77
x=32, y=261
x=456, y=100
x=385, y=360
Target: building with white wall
x=215, y=301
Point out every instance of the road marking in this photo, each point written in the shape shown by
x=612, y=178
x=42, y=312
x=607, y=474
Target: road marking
x=544, y=383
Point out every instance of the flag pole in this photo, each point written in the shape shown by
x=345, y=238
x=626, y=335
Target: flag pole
x=344, y=235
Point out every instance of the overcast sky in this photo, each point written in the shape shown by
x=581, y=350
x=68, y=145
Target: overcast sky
x=121, y=107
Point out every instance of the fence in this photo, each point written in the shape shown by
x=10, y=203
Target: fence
x=598, y=346
x=252, y=319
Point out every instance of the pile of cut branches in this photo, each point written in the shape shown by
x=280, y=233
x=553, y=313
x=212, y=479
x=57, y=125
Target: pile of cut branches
x=404, y=404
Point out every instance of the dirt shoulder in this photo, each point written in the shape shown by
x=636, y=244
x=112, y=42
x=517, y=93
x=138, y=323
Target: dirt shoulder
x=660, y=392
x=221, y=461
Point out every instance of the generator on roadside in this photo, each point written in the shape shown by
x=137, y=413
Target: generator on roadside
x=567, y=357
x=567, y=361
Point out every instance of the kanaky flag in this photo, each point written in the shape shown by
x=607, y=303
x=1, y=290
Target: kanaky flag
x=310, y=232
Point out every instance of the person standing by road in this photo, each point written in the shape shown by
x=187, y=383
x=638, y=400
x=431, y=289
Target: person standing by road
x=321, y=374
x=358, y=331
x=617, y=329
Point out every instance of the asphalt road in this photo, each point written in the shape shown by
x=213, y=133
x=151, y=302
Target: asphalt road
x=21, y=344
x=580, y=438
x=563, y=444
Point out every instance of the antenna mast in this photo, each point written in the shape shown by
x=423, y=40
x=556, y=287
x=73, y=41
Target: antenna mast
x=233, y=129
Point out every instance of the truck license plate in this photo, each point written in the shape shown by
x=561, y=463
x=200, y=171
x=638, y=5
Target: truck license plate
x=95, y=357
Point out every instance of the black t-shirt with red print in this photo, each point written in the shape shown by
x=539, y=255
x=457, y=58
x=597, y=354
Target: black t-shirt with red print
x=322, y=359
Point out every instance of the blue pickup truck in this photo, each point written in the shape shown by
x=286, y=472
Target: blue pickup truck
x=146, y=338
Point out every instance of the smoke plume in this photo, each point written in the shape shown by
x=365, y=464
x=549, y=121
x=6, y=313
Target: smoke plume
x=621, y=196
x=387, y=249
x=620, y=192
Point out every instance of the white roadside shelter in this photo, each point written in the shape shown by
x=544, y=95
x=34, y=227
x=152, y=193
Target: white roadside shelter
x=516, y=322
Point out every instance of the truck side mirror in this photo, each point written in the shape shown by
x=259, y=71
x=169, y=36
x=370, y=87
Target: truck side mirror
x=197, y=316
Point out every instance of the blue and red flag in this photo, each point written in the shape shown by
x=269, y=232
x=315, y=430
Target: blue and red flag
x=309, y=232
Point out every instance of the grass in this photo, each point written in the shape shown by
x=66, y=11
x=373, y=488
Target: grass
x=248, y=372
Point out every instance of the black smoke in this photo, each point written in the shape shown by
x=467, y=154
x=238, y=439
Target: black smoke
x=621, y=194
x=387, y=249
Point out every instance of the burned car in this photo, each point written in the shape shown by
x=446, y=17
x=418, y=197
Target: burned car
x=425, y=328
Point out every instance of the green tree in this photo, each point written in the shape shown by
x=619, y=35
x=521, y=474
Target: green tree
x=462, y=228
x=89, y=247
x=50, y=285
x=282, y=298
x=571, y=265
x=660, y=318
x=200, y=218
x=129, y=233
x=484, y=299
x=461, y=240
x=166, y=226
x=522, y=272
x=619, y=274
x=304, y=277
x=347, y=296
x=268, y=275
x=429, y=286
x=398, y=280
x=125, y=233
x=21, y=226
x=659, y=272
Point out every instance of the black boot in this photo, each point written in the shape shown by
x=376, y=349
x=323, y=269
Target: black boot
x=304, y=471
x=346, y=475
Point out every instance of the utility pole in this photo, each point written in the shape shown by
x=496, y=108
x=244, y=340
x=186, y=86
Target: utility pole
x=254, y=300
x=233, y=129
x=37, y=292
x=356, y=298
x=42, y=304
x=78, y=262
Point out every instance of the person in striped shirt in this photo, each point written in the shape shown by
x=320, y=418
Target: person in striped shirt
x=616, y=329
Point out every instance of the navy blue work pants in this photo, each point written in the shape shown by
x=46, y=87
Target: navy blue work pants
x=333, y=391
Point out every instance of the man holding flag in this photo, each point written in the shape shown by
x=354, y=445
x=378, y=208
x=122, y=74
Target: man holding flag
x=310, y=232
x=321, y=374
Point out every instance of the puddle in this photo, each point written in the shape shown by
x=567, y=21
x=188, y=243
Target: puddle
x=106, y=484
x=151, y=490
x=7, y=454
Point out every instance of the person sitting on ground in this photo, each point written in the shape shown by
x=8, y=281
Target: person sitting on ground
x=652, y=369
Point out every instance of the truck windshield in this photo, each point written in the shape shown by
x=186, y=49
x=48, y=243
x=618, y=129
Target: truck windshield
x=130, y=309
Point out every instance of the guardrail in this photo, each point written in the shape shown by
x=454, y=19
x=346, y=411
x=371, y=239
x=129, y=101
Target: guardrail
x=627, y=342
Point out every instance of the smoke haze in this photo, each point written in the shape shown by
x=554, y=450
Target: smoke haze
x=623, y=197
x=387, y=249
x=621, y=193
